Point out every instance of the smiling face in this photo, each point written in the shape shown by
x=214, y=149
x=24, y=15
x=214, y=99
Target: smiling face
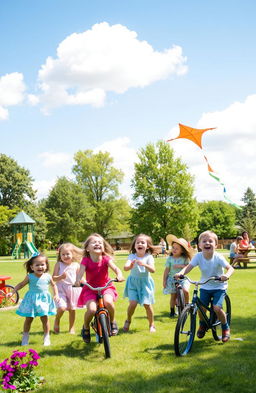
x=39, y=266
x=141, y=245
x=176, y=250
x=95, y=245
x=66, y=255
x=208, y=243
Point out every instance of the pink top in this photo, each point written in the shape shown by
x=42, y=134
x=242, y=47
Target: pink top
x=96, y=274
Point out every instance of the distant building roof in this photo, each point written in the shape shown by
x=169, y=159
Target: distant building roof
x=22, y=218
x=120, y=235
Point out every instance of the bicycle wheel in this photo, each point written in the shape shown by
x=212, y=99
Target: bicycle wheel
x=8, y=301
x=216, y=325
x=180, y=299
x=105, y=336
x=185, y=331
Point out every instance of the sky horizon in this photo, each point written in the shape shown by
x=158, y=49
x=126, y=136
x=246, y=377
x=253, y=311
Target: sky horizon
x=114, y=76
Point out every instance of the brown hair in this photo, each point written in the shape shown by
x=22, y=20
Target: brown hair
x=150, y=247
x=77, y=252
x=32, y=260
x=107, y=249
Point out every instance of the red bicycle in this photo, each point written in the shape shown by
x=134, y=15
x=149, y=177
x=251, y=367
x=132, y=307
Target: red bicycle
x=7, y=301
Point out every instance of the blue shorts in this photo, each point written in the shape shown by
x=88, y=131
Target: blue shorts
x=216, y=295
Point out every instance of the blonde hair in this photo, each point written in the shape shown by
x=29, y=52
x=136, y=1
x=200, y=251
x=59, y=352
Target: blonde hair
x=77, y=253
x=150, y=247
x=208, y=233
x=107, y=249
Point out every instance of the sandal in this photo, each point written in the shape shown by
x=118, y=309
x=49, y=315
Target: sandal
x=114, y=328
x=126, y=326
x=85, y=333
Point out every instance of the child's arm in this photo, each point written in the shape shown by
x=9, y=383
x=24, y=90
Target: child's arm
x=119, y=274
x=179, y=265
x=18, y=286
x=129, y=264
x=166, y=273
x=56, y=276
x=229, y=272
x=80, y=275
x=184, y=271
x=55, y=290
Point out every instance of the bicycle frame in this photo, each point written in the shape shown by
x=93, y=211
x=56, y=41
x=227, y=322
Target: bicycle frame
x=101, y=309
x=198, y=305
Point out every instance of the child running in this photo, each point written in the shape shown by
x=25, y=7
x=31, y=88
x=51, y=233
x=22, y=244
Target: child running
x=211, y=264
x=38, y=300
x=64, y=273
x=179, y=257
x=140, y=286
x=97, y=259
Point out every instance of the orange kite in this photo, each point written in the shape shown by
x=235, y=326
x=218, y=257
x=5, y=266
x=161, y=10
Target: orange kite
x=193, y=134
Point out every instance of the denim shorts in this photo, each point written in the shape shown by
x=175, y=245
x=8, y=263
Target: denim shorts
x=216, y=295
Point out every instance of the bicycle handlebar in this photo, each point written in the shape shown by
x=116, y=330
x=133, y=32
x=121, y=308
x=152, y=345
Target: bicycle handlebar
x=214, y=278
x=99, y=288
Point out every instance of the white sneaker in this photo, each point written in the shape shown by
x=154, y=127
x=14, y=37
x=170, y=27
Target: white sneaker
x=25, y=339
x=152, y=329
x=47, y=340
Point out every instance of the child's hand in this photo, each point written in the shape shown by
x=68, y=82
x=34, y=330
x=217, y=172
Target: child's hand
x=224, y=278
x=56, y=298
x=77, y=284
x=63, y=276
x=120, y=277
x=140, y=263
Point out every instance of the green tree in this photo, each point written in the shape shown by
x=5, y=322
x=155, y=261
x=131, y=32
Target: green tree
x=6, y=216
x=219, y=217
x=69, y=216
x=100, y=181
x=248, y=224
x=249, y=199
x=15, y=184
x=163, y=194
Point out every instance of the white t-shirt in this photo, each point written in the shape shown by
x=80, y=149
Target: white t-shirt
x=211, y=267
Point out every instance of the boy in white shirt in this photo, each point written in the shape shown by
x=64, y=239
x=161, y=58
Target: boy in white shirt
x=211, y=264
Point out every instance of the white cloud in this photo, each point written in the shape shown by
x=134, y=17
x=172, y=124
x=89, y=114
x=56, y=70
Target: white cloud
x=103, y=59
x=230, y=150
x=124, y=157
x=12, y=92
x=43, y=187
x=56, y=159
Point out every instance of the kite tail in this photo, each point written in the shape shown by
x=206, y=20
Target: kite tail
x=224, y=190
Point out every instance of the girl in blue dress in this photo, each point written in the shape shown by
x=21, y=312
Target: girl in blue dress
x=140, y=286
x=38, y=300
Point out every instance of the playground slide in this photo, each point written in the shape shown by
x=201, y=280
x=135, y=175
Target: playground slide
x=31, y=247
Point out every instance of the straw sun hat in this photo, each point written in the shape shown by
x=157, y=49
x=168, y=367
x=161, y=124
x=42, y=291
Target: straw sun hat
x=182, y=242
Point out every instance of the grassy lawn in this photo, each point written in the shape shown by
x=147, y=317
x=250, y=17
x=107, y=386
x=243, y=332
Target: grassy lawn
x=142, y=362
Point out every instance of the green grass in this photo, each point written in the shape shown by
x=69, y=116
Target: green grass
x=142, y=362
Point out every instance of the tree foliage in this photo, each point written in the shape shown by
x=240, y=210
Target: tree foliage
x=99, y=181
x=163, y=194
x=6, y=215
x=219, y=217
x=15, y=184
x=68, y=213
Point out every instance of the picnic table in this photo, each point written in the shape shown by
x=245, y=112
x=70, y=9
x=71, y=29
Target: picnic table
x=249, y=255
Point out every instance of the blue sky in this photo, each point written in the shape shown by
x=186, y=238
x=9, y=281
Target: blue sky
x=116, y=75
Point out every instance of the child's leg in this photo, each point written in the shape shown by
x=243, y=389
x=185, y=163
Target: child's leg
x=60, y=312
x=109, y=304
x=172, y=304
x=26, y=330
x=130, y=310
x=150, y=314
x=72, y=318
x=91, y=308
x=46, y=328
x=46, y=324
x=27, y=324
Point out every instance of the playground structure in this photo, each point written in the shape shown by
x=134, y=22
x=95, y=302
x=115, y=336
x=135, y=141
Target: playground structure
x=23, y=236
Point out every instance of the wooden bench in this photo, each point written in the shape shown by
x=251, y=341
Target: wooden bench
x=244, y=260
x=157, y=251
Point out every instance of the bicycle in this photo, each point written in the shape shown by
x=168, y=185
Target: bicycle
x=7, y=301
x=101, y=321
x=186, y=324
x=180, y=299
